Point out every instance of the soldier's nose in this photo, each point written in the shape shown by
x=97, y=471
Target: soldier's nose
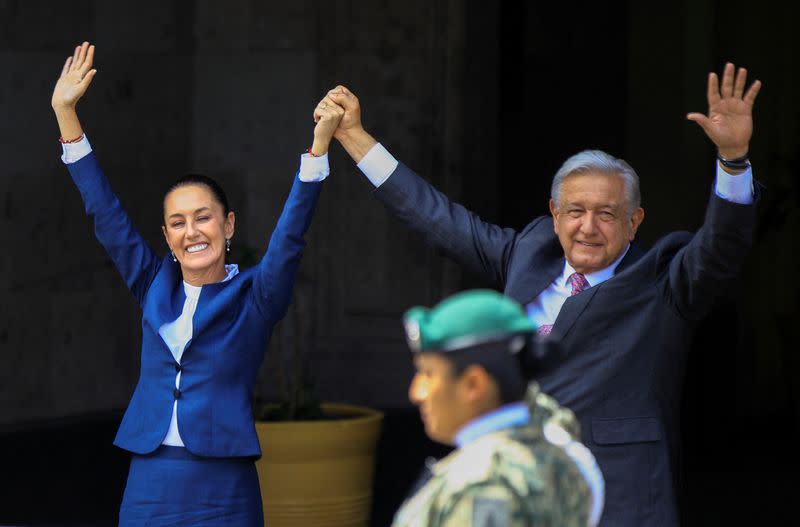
x=417, y=391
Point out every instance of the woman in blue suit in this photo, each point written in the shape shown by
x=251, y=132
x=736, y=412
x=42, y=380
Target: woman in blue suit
x=205, y=326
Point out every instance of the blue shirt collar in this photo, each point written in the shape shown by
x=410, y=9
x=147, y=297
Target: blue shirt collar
x=193, y=291
x=231, y=270
x=508, y=415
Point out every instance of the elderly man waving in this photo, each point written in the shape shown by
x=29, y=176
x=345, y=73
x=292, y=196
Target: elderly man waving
x=624, y=315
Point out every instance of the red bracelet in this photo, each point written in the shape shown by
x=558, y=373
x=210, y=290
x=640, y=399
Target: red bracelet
x=69, y=141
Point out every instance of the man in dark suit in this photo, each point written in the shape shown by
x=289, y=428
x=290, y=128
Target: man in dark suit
x=624, y=316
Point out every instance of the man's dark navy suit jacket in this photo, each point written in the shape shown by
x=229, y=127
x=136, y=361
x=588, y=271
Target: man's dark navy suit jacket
x=623, y=342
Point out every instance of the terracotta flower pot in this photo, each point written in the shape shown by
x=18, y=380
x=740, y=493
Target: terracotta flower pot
x=319, y=473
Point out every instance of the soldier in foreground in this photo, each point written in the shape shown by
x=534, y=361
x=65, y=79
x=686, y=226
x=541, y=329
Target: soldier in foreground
x=518, y=461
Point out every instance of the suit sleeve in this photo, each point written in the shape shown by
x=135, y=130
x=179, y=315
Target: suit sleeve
x=712, y=259
x=133, y=257
x=276, y=273
x=481, y=247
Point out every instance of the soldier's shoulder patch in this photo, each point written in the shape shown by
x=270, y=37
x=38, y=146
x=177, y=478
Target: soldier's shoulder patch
x=490, y=512
x=556, y=435
x=474, y=463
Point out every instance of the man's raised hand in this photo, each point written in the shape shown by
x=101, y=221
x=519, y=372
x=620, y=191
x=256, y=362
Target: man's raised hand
x=350, y=133
x=729, y=123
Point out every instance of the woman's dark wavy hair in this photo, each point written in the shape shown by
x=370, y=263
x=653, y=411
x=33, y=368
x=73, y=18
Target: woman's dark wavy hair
x=205, y=181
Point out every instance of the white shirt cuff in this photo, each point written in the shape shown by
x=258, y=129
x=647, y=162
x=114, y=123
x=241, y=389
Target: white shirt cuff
x=378, y=164
x=314, y=168
x=737, y=189
x=72, y=152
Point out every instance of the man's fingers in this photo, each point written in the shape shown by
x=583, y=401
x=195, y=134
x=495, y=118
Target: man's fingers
x=738, y=85
x=752, y=93
x=331, y=103
x=344, y=98
x=348, y=102
x=341, y=89
x=700, y=119
x=727, y=80
x=713, y=89
x=335, y=103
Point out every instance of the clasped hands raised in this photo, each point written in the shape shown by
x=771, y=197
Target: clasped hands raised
x=340, y=101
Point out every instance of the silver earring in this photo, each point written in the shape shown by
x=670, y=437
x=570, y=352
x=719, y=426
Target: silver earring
x=227, y=245
x=173, y=256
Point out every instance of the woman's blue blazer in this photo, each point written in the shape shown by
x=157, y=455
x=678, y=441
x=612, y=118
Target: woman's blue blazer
x=231, y=327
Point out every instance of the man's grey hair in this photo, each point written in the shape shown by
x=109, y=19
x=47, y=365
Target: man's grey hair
x=599, y=161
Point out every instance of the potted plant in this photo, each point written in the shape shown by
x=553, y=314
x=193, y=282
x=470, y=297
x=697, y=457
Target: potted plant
x=318, y=459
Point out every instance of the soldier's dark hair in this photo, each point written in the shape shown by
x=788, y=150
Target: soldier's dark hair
x=203, y=181
x=503, y=366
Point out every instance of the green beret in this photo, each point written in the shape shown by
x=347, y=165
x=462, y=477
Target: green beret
x=464, y=320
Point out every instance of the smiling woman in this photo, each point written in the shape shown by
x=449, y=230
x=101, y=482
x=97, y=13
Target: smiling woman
x=198, y=227
x=205, y=326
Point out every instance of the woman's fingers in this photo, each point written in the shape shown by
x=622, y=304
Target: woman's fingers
x=67, y=64
x=87, y=61
x=76, y=76
x=81, y=56
x=327, y=108
x=87, y=80
x=76, y=54
x=328, y=113
x=328, y=103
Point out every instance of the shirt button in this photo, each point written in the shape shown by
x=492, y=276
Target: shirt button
x=178, y=367
x=177, y=393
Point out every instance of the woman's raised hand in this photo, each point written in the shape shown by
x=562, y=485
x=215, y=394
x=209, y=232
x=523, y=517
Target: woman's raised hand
x=327, y=115
x=76, y=76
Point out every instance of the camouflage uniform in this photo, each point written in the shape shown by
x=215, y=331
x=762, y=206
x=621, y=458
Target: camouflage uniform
x=531, y=475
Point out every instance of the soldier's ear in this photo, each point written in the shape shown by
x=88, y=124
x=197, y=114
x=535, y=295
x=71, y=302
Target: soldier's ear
x=475, y=384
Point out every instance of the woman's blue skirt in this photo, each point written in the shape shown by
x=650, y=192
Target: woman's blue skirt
x=171, y=486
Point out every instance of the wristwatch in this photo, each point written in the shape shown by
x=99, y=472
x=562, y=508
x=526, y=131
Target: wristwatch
x=739, y=163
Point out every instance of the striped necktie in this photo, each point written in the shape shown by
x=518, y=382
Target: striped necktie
x=578, y=283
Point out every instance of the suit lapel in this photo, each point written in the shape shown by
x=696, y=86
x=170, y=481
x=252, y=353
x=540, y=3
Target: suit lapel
x=574, y=305
x=545, y=266
x=571, y=310
x=633, y=255
x=208, y=305
x=168, y=283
